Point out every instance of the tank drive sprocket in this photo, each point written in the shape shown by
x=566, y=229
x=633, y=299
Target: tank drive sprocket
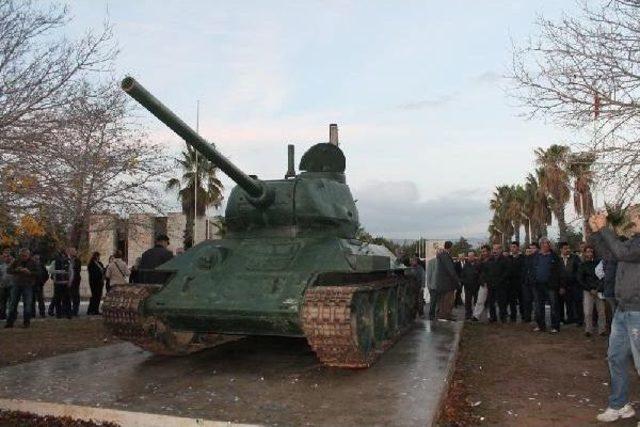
x=351, y=325
x=124, y=317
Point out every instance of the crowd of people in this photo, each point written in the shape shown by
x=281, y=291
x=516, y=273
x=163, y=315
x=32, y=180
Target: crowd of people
x=24, y=277
x=508, y=286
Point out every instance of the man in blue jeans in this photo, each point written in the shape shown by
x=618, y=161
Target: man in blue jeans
x=546, y=275
x=624, y=340
x=24, y=271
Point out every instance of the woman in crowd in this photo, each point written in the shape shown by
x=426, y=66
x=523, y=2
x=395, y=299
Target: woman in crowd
x=117, y=271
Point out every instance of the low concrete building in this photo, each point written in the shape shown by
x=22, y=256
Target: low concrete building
x=135, y=234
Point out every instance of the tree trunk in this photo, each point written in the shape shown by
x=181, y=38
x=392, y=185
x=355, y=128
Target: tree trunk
x=562, y=223
x=586, y=229
x=527, y=233
x=75, y=234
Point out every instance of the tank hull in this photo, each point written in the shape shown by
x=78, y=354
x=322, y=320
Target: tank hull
x=253, y=286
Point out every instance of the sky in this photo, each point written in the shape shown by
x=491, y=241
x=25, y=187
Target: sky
x=417, y=88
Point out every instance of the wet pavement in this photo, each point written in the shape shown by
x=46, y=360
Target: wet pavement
x=261, y=380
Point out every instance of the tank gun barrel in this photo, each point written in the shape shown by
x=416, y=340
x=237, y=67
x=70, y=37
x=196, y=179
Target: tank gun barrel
x=254, y=187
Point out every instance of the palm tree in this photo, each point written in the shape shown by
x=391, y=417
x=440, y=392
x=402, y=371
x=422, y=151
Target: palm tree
x=555, y=181
x=580, y=170
x=536, y=207
x=502, y=223
x=515, y=209
x=209, y=188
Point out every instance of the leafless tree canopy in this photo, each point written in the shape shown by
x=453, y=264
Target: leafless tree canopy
x=99, y=161
x=38, y=70
x=584, y=71
x=68, y=144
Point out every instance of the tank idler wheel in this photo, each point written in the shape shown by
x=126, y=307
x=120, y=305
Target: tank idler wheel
x=123, y=312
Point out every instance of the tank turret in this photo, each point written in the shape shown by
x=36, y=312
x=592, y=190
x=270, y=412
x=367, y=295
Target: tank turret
x=316, y=201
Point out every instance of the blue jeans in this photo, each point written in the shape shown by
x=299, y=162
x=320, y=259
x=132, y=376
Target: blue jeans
x=542, y=294
x=26, y=292
x=624, y=343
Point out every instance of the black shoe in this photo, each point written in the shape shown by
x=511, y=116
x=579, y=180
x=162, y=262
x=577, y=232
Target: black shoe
x=26, y=324
x=475, y=319
x=8, y=325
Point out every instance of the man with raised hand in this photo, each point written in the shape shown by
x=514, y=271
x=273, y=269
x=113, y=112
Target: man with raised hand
x=624, y=340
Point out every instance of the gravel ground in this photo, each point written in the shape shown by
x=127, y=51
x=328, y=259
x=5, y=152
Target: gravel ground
x=507, y=375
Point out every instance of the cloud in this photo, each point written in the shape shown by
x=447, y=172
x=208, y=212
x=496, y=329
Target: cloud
x=395, y=210
x=437, y=102
x=487, y=78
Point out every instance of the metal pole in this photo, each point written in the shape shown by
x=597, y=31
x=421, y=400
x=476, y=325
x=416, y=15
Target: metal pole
x=195, y=180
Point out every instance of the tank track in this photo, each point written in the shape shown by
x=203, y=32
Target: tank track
x=351, y=325
x=123, y=316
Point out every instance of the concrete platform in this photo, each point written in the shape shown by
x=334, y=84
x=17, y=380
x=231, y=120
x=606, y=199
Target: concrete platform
x=256, y=380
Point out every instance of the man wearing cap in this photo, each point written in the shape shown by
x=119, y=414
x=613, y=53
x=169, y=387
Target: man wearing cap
x=152, y=258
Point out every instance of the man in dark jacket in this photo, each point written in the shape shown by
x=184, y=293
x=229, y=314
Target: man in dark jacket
x=547, y=284
x=591, y=285
x=516, y=277
x=447, y=282
x=38, y=288
x=624, y=340
x=25, y=272
x=495, y=271
x=75, y=267
x=572, y=292
x=528, y=283
x=470, y=278
x=153, y=258
x=61, y=304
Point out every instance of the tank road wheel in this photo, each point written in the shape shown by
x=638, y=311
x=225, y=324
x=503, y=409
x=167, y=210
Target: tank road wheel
x=362, y=324
x=380, y=325
x=402, y=307
x=350, y=325
x=410, y=302
x=392, y=313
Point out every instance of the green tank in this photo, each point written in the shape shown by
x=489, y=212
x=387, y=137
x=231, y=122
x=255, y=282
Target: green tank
x=289, y=265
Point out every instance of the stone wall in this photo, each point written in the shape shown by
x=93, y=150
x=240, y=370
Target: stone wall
x=140, y=232
x=176, y=223
x=140, y=235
